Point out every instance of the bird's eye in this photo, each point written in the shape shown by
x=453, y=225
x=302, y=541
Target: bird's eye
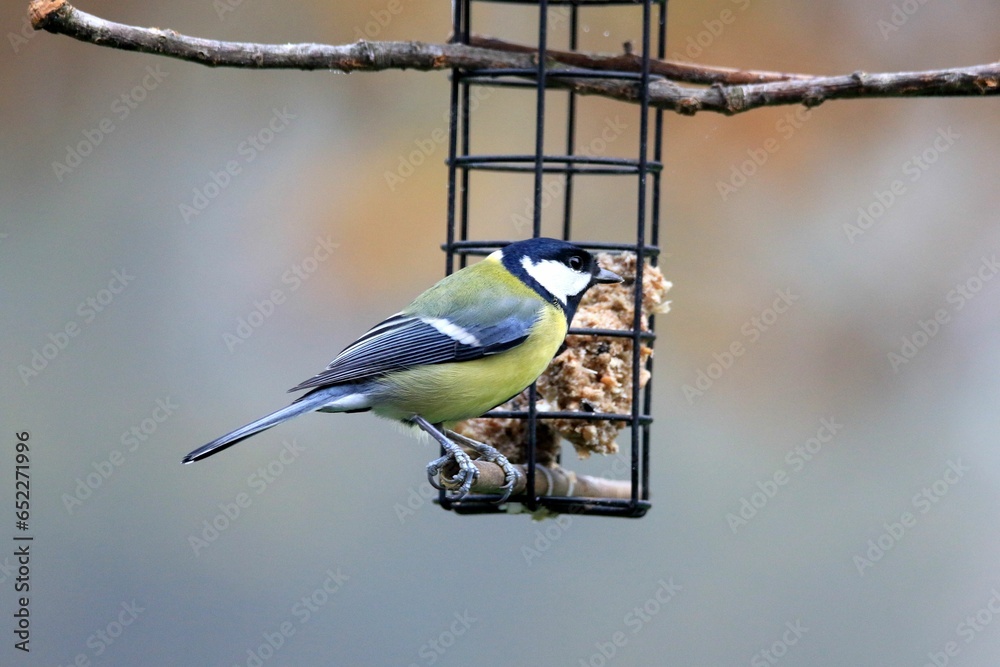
x=576, y=262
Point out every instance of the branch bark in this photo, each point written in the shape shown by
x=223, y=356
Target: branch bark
x=729, y=91
x=555, y=481
x=629, y=62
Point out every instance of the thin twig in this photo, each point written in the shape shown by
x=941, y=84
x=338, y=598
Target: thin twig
x=731, y=91
x=630, y=62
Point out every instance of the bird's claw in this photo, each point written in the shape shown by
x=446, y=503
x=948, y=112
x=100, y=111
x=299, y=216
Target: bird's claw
x=467, y=473
x=510, y=474
x=491, y=454
x=434, y=469
x=464, y=478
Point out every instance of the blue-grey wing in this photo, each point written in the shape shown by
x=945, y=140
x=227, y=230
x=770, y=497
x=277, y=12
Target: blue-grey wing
x=407, y=340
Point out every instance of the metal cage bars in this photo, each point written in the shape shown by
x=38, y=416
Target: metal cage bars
x=458, y=245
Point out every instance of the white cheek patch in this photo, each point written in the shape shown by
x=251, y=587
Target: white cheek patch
x=560, y=280
x=451, y=330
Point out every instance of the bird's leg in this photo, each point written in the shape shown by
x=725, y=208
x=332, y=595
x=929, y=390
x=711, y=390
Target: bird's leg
x=467, y=472
x=491, y=454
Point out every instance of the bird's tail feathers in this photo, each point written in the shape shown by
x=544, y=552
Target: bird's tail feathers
x=305, y=404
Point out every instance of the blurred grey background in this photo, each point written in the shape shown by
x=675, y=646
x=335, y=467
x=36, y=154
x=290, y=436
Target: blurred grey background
x=817, y=500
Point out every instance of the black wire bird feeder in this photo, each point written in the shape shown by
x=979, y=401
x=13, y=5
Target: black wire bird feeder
x=573, y=166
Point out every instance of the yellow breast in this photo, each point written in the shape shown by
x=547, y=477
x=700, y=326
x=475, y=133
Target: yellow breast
x=455, y=391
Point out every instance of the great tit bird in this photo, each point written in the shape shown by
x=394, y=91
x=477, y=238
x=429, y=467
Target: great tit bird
x=477, y=338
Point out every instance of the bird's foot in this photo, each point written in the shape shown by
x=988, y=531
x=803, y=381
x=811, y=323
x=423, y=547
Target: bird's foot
x=467, y=470
x=463, y=479
x=491, y=454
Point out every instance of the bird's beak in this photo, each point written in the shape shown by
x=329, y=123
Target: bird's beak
x=606, y=276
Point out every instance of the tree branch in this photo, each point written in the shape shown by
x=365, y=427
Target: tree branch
x=555, y=481
x=730, y=91
x=629, y=62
